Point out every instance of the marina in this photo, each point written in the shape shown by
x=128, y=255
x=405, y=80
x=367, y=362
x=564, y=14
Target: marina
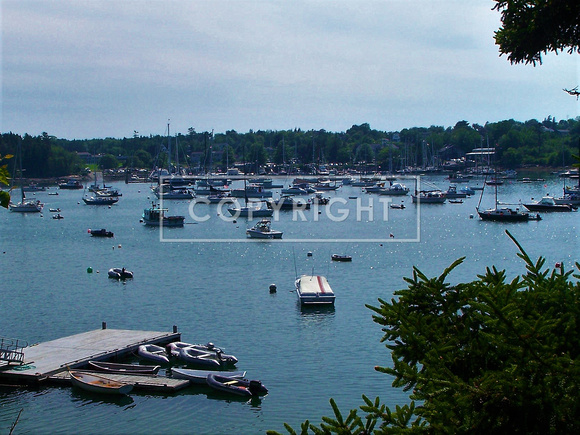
x=220, y=292
x=44, y=362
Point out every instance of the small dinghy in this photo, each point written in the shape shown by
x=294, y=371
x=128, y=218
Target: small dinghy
x=122, y=273
x=101, y=233
x=152, y=352
x=176, y=349
x=199, y=358
x=240, y=387
x=200, y=376
x=98, y=384
x=57, y=216
x=110, y=367
x=336, y=257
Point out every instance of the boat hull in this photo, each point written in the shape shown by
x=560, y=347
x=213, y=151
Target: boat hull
x=200, y=376
x=99, y=384
x=314, y=290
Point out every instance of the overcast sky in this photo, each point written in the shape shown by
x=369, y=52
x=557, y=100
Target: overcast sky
x=106, y=68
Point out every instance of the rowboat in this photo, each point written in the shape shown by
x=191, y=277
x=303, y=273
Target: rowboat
x=200, y=376
x=110, y=367
x=240, y=387
x=153, y=352
x=98, y=384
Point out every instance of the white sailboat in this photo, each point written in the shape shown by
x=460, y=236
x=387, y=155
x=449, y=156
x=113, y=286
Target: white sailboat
x=25, y=205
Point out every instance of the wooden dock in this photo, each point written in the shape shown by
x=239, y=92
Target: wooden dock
x=45, y=360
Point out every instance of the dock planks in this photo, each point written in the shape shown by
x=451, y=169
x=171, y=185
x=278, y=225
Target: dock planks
x=47, y=359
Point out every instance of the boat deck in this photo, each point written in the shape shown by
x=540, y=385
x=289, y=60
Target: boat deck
x=43, y=360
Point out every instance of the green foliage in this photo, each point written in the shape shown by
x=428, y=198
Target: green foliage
x=108, y=161
x=529, y=143
x=532, y=27
x=488, y=356
x=4, y=176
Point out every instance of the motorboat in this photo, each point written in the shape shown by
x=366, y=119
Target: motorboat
x=506, y=214
x=57, y=216
x=98, y=384
x=314, y=290
x=453, y=193
x=110, y=367
x=548, y=203
x=263, y=230
x=71, y=185
x=320, y=200
x=120, y=273
x=569, y=198
x=397, y=206
x=181, y=193
x=394, y=189
x=252, y=191
x=100, y=200
x=100, y=233
x=337, y=257
x=287, y=202
x=154, y=353
x=155, y=216
x=429, y=197
x=200, y=376
x=240, y=387
x=250, y=212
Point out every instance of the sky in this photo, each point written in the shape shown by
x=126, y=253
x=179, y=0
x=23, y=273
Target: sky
x=83, y=69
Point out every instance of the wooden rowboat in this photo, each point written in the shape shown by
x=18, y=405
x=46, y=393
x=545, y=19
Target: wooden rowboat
x=110, y=367
x=98, y=384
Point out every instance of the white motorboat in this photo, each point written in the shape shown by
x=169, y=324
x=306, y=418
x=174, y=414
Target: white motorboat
x=100, y=200
x=314, y=290
x=429, y=197
x=263, y=230
x=395, y=189
x=152, y=352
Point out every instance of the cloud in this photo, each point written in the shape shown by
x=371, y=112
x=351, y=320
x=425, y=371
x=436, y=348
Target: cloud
x=105, y=68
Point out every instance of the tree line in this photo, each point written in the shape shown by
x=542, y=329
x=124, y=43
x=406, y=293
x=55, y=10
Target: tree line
x=549, y=143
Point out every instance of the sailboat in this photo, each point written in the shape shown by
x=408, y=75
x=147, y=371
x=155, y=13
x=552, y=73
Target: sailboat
x=503, y=214
x=25, y=205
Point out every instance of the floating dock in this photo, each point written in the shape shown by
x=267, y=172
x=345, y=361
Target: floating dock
x=51, y=360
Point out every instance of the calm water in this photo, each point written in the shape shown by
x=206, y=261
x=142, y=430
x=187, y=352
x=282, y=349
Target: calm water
x=219, y=292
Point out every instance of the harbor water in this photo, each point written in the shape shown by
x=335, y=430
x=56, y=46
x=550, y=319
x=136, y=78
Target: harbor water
x=219, y=291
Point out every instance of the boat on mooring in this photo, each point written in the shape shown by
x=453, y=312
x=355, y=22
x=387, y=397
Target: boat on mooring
x=200, y=376
x=263, y=230
x=314, y=290
x=155, y=216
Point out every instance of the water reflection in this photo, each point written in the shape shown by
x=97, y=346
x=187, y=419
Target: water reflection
x=85, y=398
x=316, y=312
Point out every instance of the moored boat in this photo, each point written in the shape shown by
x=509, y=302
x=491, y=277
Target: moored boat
x=155, y=216
x=548, y=203
x=240, y=387
x=263, y=230
x=120, y=273
x=215, y=359
x=314, y=290
x=101, y=233
x=100, y=200
x=337, y=257
x=98, y=384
